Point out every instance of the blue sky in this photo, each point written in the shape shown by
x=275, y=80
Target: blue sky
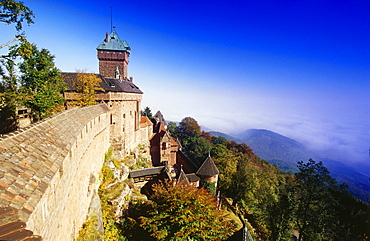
x=299, y=68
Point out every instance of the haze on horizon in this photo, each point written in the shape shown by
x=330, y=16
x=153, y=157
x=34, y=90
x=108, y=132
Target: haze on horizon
x=299, y=69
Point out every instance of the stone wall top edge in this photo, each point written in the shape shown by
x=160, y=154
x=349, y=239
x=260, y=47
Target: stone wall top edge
x=27, y=167
x=20, y=131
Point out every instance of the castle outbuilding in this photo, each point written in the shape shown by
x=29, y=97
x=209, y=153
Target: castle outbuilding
x=166, y=151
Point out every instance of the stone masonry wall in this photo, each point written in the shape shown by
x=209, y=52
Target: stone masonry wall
x=125, y=122
x=49, y=173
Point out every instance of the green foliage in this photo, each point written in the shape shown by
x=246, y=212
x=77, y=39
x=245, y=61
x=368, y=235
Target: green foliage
x=28, y=75
x=315, y=204
x=198, y=149
x=111, y=229
x=109, y=154
x=275, y=202
x=187, y=131
x=39, y=83
x=140, y=163
x=9, y=97
x=209, y=186
x=130, y=224
x=181, y=213
x=219, y=140
x=88, y=232
x=173, y=129
x=107, y=176
x=15, y=12
x=147, y=112
x=41, y=79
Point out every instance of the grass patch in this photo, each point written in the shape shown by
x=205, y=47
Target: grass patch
x=88, y=231
x=109, y=154
x=111, y=228
x=114, y=191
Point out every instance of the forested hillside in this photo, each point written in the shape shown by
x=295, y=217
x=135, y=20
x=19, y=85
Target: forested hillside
x=285, y=153
x=310, y=202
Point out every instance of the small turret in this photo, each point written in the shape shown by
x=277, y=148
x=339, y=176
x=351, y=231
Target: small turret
x=208, y=171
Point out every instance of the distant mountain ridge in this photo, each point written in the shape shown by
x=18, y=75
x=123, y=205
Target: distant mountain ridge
x=270, y=145
x=228, y=137
x=285, y=152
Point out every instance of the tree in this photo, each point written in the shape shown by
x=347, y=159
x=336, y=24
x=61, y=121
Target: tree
x=86, y=86
x=199, y=149
x=11, y=12
x=173, y=129
x=28, y=74
x=10, y=97
x=188, y=131
x=315, y=210
x=180, y=212
x=226, y=163
x=219, y=140
x=147, y=112
x=40, y=79
x=280, y=212
x=17, y=13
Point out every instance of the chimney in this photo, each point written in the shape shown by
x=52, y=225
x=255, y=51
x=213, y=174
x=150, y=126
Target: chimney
x=106, y=38
x=131, y=79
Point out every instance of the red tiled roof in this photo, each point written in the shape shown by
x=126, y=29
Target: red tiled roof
x=145, y=121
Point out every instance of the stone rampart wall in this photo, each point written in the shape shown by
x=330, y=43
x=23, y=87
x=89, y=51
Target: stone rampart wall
x=49, y=173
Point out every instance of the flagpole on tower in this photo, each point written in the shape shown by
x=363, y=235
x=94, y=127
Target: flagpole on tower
x=111, y=20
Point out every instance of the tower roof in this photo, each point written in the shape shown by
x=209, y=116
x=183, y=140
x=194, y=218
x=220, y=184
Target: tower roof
x=113, y=42
x=160, y=118
x=208, y=168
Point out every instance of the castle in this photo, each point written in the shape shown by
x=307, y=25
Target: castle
x=49, y=172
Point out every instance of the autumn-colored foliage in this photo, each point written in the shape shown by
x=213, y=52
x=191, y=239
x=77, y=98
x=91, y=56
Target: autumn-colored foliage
x=86, y=85
x=183, y=212
x=274, y=202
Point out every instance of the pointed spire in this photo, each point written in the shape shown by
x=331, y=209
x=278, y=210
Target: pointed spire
x=182, y=179
x=208, y=168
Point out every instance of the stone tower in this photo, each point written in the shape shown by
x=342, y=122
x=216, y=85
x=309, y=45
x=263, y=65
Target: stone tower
x=113, y=55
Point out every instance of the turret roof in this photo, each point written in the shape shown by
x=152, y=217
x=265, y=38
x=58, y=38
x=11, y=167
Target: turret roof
x=182, y=179
x=113, y=42
x=160, y=118
x=208, y=168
